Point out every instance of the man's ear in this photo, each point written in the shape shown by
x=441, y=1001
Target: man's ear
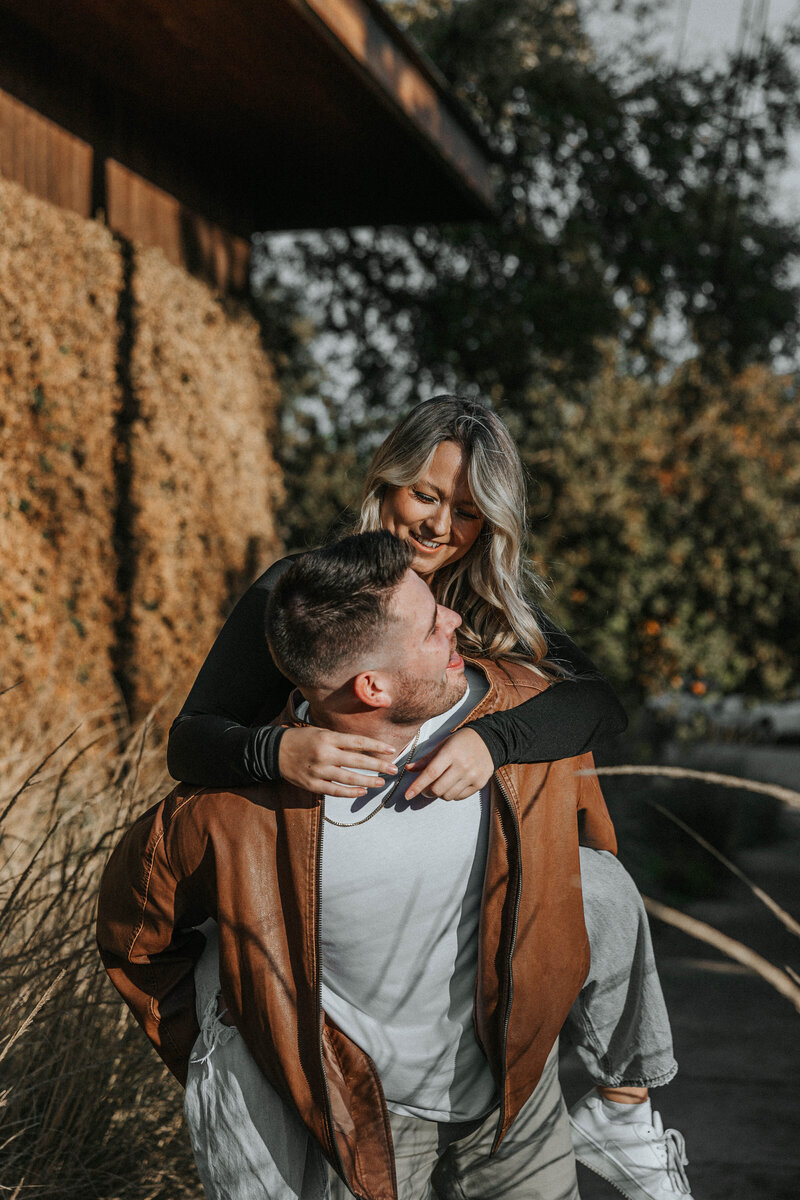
x=371, y=689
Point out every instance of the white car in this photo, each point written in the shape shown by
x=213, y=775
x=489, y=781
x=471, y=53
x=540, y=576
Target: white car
x=776, y=720
x=768, y=721
x=728, y=712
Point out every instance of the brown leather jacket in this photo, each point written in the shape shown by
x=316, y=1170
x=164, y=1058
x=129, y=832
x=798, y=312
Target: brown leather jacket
x=251, y=860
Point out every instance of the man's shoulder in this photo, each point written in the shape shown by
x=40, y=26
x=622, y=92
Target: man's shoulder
x=212, y=813
x=511, y=682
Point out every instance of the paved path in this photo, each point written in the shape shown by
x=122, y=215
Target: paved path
x=736, y=1097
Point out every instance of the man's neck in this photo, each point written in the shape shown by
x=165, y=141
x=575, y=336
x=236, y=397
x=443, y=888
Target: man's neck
x=371, y=723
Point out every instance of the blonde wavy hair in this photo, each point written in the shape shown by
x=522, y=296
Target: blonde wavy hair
x=489, y=587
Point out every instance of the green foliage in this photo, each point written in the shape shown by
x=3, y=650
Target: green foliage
x=667, y=515
x=634, y=201
x=628, y=189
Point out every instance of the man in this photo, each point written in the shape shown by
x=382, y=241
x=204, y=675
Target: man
x=395, y=973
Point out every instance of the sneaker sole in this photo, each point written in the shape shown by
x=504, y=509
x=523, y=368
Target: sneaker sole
x=638, y=1192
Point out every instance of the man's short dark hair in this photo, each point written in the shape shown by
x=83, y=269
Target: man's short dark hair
x=332, y=605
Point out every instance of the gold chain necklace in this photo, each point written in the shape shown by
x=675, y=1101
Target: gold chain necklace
x=386, y=798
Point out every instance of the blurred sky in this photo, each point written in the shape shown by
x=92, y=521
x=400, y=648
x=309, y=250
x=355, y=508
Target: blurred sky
x=697, y=29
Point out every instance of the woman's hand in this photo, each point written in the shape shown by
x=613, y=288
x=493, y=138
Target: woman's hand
x=317, y=760
x=458, y=767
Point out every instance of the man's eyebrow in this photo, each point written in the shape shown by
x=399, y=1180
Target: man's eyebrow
x=432, y=629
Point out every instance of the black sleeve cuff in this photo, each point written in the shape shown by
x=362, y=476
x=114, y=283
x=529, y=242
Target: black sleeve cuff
x=261, y=753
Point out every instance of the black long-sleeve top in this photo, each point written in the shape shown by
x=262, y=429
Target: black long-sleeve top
x=220, y=737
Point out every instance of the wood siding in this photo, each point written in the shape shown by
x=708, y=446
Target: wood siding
x=147, y=215
x=254, y=114
x=55, y=165
x=50, y=162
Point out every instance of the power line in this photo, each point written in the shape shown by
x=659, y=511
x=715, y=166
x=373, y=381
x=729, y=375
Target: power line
x=681, y=24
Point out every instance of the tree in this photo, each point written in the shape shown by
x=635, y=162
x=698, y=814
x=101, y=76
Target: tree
x=633, y=202
x=634, y=209
x=667, y=516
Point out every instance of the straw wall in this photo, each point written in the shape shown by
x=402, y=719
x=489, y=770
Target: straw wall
x=204, y=482
x=136, y=479
x=59, y=287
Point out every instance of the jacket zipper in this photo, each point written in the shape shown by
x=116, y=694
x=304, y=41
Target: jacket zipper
x=510, y=969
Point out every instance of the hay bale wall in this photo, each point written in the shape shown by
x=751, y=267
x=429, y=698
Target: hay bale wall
x=204, y=482
x=59, y=287
x=137, y=484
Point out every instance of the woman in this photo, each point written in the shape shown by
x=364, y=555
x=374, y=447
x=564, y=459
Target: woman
x=450, y=481
x=220, y=737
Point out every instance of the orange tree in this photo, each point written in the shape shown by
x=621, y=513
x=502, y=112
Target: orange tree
x=666, y=515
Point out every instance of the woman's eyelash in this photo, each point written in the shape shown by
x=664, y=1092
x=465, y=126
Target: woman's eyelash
x=432, y=500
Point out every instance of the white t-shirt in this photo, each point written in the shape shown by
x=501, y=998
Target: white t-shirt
x=400, y=904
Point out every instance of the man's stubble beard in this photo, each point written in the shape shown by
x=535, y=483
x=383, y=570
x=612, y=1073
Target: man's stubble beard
x=418, y=701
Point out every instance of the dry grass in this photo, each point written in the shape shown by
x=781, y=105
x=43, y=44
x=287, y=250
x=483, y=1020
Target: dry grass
x=139, y=484
x=86, y=1108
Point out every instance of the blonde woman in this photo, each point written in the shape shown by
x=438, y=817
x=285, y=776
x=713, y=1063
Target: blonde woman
x=449, y=480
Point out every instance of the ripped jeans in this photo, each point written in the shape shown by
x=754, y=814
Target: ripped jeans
x=249, y=1145
x=619, y=1026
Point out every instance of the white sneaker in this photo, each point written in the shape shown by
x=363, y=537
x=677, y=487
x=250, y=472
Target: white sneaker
x=642, y=1161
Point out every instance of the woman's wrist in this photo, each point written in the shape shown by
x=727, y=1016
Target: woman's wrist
x=487, y=733
x=261, y=753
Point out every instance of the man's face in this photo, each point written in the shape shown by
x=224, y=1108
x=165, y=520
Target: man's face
x=425, y=669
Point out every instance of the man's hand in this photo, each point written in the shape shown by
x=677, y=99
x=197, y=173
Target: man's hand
x=458, y=767
x=317, y=760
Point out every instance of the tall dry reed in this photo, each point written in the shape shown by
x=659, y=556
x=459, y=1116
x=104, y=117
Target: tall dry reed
x=86, y=1108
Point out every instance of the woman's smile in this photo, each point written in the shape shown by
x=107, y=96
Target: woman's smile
x=424, y=543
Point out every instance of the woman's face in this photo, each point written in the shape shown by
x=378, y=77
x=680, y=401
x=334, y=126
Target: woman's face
x=436, y=513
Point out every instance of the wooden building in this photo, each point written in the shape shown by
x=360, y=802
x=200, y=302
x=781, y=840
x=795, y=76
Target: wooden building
x=190, y=124
x=142, y=142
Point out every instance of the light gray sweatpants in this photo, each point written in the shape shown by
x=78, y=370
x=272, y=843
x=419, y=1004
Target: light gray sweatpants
x=535, y=1161
x=247, y=1142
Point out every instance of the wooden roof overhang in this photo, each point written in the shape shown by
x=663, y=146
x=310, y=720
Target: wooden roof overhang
x=255, y=114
